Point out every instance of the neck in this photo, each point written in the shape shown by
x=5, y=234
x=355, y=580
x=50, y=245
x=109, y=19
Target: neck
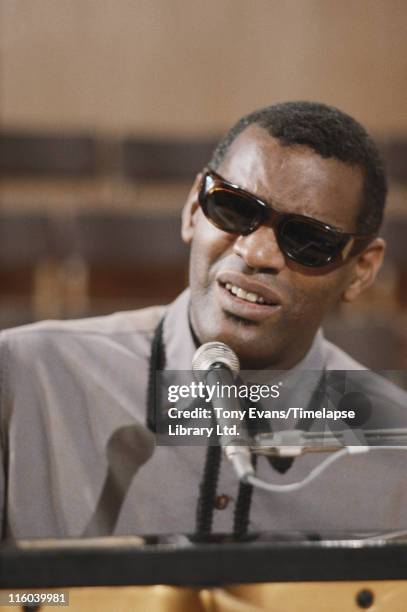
x=278, y=361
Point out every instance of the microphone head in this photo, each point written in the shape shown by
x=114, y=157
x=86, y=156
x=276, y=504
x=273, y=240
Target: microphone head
x=212, y=353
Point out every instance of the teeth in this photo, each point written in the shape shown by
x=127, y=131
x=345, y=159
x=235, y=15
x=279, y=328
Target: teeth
x=249, y=296
x=252, y=297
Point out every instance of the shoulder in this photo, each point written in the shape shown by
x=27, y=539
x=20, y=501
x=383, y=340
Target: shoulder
x=132, y=329
x=337, y=359
x=127, y=322
x=377, y=386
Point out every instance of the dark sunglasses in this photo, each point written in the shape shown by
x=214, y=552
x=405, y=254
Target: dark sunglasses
x=304, y=240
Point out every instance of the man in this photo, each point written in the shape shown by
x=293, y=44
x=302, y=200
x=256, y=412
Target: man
x=282, y=225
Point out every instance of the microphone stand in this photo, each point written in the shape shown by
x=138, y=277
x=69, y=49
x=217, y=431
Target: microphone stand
x=295, y=442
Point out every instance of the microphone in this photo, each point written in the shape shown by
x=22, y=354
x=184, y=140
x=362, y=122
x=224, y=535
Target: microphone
x=127, y=449
x=219, y=365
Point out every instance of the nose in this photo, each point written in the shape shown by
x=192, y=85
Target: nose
x=260, y=250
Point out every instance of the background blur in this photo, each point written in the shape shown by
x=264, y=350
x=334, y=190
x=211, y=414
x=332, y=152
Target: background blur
x=109, y=107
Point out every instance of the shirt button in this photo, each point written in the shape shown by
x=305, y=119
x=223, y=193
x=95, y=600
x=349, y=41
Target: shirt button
x=222, y=501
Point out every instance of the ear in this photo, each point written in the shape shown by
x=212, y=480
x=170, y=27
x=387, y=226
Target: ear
x=365, y=269
x=188, y=212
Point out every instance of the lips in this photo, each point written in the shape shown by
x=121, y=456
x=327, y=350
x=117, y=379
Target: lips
x=247, y=297
x=250, y=285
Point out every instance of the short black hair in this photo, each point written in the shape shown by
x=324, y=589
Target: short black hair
x=330, y=133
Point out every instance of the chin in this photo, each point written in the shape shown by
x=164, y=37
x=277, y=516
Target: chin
x=246, y=345
x=245, y=337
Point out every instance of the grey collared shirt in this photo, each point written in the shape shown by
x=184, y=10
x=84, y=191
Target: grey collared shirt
x=68, y=389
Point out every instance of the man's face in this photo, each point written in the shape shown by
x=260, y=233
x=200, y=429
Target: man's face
x=293, y=179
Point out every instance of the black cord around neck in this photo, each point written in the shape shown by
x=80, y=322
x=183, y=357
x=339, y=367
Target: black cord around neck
x=210, y=477
x=207, y=492
x=156, y=363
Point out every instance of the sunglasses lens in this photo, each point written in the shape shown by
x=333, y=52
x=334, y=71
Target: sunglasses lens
x=309, y=244
x=305, y=241
x=231, y=212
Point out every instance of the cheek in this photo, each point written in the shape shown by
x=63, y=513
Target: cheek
x=208, y=248
x=313, y=297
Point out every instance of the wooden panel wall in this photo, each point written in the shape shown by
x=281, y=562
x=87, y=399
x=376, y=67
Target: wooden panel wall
x=184, y=67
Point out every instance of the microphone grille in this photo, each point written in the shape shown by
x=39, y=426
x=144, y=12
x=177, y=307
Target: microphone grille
x=215, y=352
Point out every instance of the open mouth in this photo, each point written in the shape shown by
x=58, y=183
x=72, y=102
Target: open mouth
x=248, y=296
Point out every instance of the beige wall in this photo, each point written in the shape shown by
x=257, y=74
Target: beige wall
x=191, y=66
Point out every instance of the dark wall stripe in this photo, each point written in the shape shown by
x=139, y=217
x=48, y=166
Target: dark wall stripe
x=80, y=155
x=166, y=159
x=49, y=155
